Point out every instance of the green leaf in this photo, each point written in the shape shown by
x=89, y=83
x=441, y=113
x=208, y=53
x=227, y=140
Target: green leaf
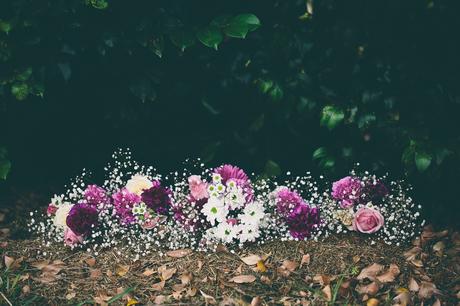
x=319, y=153
x=156, y=45
x=276, y=93
x=210, y=36
x=5, y=26
x=265, y=86
x=98, y=4
x=272, y=168
x=422, y=160
x=327, y=163
x=20, y=91
x=366, y=120
x=24, y=75
x=240, y=25
x=183, y=39
x=5, y=167
x=331, y=116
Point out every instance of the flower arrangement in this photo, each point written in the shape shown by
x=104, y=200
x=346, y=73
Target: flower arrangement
x=372, y=205
x=203, y=208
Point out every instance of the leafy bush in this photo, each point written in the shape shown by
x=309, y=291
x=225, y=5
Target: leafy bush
x=323, y=84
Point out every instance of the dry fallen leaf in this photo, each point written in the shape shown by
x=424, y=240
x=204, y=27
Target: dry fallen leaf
x=251, y=260
x=191, y=292
x=370, y=272
x=122, y=270
x=290, y=265
x=390, y=275
x=241, y=279
x=327, y=293
x=148, y=272
x=70, y=295
x=26, y=289
x=261, y=266
x=159, y=286
x=179, y=253
x=372, y=302
x=439, y=247
x=370, y=289
x=160, y=299
x=413, y=285
x=11, y=263
x=403, y=297
x=167, y=274
x=255, y=301
x=186, y=278
x=426, y=291
x=305, y=260
x=208, y=298
x=91, y=261
x=95, y=273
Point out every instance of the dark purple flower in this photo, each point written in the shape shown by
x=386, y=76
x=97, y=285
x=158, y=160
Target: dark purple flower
x=303, y=221
x=82, y=218
x=188, y=212
x=157, y=198
x=123, y=201
x=95, y=195
x=229, y=172
x=374, y=192
x=287, y=200
x=347, y=190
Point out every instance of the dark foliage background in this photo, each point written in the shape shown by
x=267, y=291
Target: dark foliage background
x=319, y=89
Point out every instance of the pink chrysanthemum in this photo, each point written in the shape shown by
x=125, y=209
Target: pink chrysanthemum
x=123, y=201
x=229, y=172
x=347, y=190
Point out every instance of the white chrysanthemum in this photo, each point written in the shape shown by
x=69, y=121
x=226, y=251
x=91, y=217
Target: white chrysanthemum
x=57, y=200
x=253, y=213
x=249, y=232
x=226, y=232
x=215, y=210
x=61, y=215
x=235, y=199
x=138, y=183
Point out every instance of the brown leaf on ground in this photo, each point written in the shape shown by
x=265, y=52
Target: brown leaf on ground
x=390, y=275
x=179, y=253
x=12, y=263
x=160, y=299
x=26, y=289
x=426, y=291
x=159, y=286
x=209, y=299
x=322, y=279
x=186, y=278
x=251, y=260
x=91, y=261
x=95, y=273
x=148, y=272
x=290, y=265
x=403, y=298
x=122, y=270
x=370, y=289
x=242, y=279
x=439, y=247
x=167, y=273
x=412, y=253
x=370, y=272
x=305, y=260
x=413, y=285
x=327, y=293
x=256, y=301
x=372, y=302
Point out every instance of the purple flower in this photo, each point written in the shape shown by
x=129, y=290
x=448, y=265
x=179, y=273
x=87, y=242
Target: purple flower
x=302, y=221
x=188, y=212
x=123, y=201
x=95, y=195
x=82, y=218
x=229, y=172
x=374, y=192
x=347, y=191
x=157, y=198
x=287, y=200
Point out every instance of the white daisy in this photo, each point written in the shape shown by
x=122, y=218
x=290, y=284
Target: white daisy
x=253, y=213
x=215, y=210
x=226, y=232
x=235, y=199
x=248, y=233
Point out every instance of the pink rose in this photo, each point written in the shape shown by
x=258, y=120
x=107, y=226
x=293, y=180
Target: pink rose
x=71, y=239
x=150, y=223
x=51, y=210
x=198, y=188
x=367, y=220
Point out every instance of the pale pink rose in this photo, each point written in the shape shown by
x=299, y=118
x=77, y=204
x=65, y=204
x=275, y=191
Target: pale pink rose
x=71, y=239
x=367, y=220
x=51, y=210
x=198, y=188
x=232, y=221
x=150, y=223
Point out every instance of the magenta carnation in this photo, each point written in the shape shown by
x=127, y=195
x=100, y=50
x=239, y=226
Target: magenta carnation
x=374, y=192
x=95, y=195
x=287, y=200
x=123, y=201
x=347, y=190
x=82, y=218
x=229, y=172
x=157, y=198
x=303, y=221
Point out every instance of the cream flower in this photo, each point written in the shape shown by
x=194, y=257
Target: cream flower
x=138, y=183
x=61, y=215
